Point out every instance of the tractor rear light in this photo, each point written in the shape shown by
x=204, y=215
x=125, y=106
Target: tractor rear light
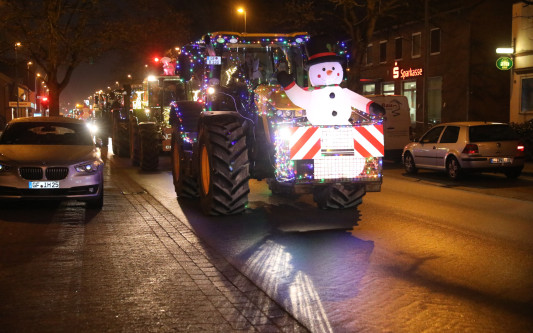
x=471, y=149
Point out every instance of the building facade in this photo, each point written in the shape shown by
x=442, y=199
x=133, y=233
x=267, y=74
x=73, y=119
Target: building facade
x=522, y=71
x=444, y=64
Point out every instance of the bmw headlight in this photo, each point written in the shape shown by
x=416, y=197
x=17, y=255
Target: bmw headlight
x=3, y=167
x=90, y=167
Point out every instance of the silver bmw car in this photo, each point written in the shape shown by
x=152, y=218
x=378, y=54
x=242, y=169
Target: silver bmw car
x=50, y=158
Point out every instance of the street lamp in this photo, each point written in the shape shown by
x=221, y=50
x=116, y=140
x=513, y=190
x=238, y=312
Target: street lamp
x=504, y=50
x=241, y=10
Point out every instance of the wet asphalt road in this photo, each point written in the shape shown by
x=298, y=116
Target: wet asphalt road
x=423, y=255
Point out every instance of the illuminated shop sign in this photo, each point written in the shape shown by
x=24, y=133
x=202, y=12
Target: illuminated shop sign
x=398, y=72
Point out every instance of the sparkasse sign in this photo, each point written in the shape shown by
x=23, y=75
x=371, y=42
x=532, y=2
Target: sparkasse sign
x=398, y=72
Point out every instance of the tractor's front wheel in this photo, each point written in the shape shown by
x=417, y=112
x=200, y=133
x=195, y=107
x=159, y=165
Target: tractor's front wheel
x=184, y=185
x=223, y=168
x=149, y=142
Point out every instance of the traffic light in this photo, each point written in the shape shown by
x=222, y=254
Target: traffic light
x=44, y=101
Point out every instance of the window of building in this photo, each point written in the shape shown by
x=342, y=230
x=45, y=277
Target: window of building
x=369, y=55
x=409, y=91
x=526, y=102
x=416, y=44
x=398, y=48
x=383, y=51
x=369, y=88
x=387, y=88
x=434, y=99
x=435, y=41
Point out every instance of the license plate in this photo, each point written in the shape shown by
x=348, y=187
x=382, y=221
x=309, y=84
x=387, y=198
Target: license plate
x=501, y=160
x=44, y=185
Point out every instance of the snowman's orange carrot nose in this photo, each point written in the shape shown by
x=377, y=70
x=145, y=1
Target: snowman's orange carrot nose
x=329, y=71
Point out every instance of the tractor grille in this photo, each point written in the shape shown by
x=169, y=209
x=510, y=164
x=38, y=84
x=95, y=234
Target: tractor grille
x=36, y=173
x=31, y=173
x=56, y=173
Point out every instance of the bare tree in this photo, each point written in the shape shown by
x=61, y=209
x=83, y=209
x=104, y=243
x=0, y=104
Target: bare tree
x=58, y=35
x=360, y=19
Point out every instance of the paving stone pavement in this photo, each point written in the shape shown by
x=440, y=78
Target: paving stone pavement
x=133, y=267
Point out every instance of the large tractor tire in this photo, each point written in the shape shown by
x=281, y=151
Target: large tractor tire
x=337, y=196
x=121, y=138
x=185, y=185
x=150, y=142
x=135, y=144
x=224, y=168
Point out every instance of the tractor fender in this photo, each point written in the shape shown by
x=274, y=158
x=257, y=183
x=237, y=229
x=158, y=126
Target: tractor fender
x=208, y=117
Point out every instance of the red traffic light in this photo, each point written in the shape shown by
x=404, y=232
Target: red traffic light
x=44, y=100
x=156, y=59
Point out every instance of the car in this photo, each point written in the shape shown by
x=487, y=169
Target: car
x=50, y=158
x=459, y=147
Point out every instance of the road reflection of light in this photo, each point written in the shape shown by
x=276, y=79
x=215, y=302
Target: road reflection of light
x=271, y=268
x=305, y=303
x=272, y=263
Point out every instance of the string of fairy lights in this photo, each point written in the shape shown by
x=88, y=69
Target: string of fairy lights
x=201, y=60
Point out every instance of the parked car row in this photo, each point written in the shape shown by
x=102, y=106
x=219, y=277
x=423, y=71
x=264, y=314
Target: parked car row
x=461, y=147
x=57, y=158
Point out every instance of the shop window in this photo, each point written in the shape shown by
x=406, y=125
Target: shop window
x=526, y=102
x=369, y=89
x=434, y=99
x=409, y=91
x=398, y=48
x=387, y=88
x=435, y=41
x=383, y=51
x=416, y=44
x=369, y=55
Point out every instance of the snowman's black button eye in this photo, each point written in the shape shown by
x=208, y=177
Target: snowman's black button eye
x=332, y=68
x=323, y=69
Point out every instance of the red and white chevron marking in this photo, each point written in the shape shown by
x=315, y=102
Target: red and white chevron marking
x=321, y=142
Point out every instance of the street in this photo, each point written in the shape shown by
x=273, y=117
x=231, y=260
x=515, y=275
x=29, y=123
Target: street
x=423, y=255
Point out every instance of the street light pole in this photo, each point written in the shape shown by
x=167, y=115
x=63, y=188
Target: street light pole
x=17, y=44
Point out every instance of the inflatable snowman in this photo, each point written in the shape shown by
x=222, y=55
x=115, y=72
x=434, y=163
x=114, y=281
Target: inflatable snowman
x=325, y=102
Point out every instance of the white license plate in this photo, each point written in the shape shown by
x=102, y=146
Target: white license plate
x=44, y=185
x=501, y=160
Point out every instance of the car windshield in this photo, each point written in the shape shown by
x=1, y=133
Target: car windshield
x=486, y=133
x=46, y=133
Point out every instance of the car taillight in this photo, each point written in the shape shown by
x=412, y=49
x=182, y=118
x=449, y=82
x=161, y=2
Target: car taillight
x=520, y=149
x=471, y=149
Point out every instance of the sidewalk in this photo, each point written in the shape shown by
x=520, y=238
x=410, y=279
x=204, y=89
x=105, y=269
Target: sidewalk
x=131, y=267
x=213, y=296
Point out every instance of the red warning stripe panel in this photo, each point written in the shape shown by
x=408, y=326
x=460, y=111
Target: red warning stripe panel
x=371, y=138
x=303, y=139
x=360, y=149
x=313, y=151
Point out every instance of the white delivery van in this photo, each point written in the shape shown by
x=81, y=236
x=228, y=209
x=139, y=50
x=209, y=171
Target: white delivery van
x=396, y=125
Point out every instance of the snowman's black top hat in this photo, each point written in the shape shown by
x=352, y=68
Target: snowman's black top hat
x=318, y=51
